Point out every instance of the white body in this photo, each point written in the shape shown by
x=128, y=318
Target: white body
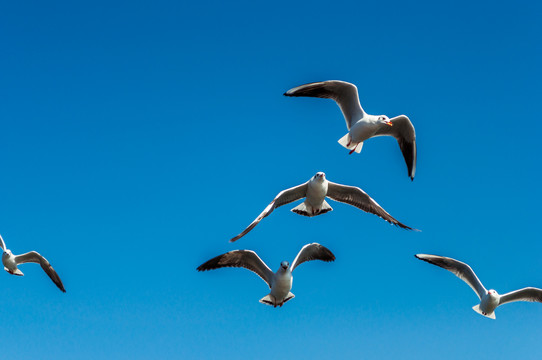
x=280, y=287
x=316, y=192
x=488, y=304
x=364, y=128
x=10, y=265
x=315, y=195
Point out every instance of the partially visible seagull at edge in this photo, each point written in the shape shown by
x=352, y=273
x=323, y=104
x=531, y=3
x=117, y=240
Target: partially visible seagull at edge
x=11, y=262
x=489, y=299
x=280, y=282
x=362, y=126
x=315, y=191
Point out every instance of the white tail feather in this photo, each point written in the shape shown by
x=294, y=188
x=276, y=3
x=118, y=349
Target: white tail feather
x=477, y=309
x=306, y=209
x=268, y=300
x=346, y=141
x=16, y=272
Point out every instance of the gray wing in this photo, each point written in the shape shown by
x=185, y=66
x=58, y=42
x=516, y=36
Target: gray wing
x=310, y=252
x=345, y=95
x=404, y=132
x=459, y=269
x=526, y=294
x=2, y=243
x=35, y=257
x=240, y=258
x=355, y=196
x=284, y=197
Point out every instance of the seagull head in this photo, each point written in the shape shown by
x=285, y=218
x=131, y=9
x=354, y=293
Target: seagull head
x=320, y=176
x=284, y=265
x=384, y=120
x=492, y=293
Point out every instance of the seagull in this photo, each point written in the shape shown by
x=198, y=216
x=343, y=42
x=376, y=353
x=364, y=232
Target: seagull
x=280, y=282
x=489, y=299
x=11, y=261
x=362, y=126
x=315, y=191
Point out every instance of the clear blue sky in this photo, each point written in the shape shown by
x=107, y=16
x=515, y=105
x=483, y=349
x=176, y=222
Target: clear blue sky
x=137, y=137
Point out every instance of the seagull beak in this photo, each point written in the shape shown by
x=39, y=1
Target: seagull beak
x=389, y=123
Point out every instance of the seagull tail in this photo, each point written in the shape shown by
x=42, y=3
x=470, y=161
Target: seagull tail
x=290, y=296
x=477, y=309
x=346, y=141
x=272, y=301
x=307, y=210
x=268, y=300
x=16, y=272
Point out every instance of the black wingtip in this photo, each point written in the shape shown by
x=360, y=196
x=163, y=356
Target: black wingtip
x=403, y=226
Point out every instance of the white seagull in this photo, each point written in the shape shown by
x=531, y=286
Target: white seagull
x=362, y=126
x=489, y=299
x=315, y=191
x=11, y=261
x=280, y=282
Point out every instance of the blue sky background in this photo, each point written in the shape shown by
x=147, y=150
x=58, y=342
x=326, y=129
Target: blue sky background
x=137, y=137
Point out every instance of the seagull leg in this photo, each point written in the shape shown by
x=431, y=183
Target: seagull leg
x=354, y=149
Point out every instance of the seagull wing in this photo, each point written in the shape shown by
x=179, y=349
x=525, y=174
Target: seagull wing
x=345, y=95
x=240, y=258
x=283, y=198
x=355, y=196
x=459, y=269
x=526, y=294
x=310, y=252
x=2, y=243
x=35, y=257
x=404, y=132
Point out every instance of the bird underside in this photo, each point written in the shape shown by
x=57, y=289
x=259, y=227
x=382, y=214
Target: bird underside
x=16, y=272
x=272, y=301
x=347, y=142
x=479, y=311
x=307, y=210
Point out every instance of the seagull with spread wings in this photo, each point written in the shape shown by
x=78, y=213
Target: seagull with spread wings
x=280, y=282
x=11, y=262
x=362, y=126
x=489, y=299
x=315, y=191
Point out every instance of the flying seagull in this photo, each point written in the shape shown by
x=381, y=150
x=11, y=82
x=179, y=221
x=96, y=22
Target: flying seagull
x=489, y=299
x=11, y=261
x=315, y=191
x=280, y=282
x=362, y=126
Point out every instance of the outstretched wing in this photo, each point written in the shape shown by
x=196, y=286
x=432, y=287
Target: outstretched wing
x=525, y=294
x=35, y=257
x=356, y=197
x=2, y=243
x=240, y=258
x=310, y=252
x=345, y=95
x=283, y=198
x=403, y=131
x=458, y=268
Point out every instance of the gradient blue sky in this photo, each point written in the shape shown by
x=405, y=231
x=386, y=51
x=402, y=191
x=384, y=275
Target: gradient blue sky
x=137, y=137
